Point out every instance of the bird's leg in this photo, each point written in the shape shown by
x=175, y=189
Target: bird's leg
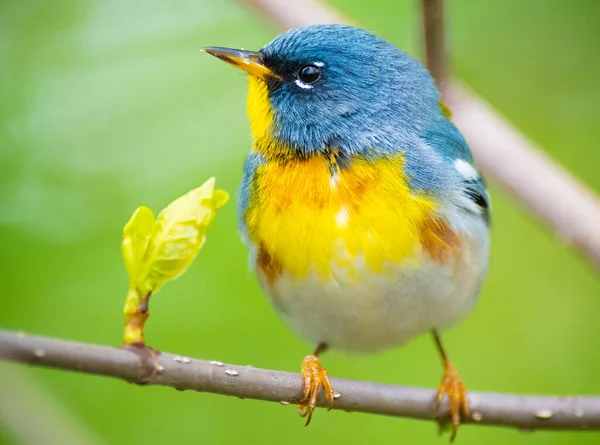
x=453, y=387
x=315, y=378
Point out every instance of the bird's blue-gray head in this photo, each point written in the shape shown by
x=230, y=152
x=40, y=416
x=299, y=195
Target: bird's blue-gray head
x=335, y=86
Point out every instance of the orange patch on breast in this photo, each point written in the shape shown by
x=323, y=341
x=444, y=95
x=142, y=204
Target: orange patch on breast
x=270, y=266
x=439, y=240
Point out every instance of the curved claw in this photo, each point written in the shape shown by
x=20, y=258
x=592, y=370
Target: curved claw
x=453, y=387
x=315, y=378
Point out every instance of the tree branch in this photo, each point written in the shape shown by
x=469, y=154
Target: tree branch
x=136, y=366
x=538, y=182
x=434, y=37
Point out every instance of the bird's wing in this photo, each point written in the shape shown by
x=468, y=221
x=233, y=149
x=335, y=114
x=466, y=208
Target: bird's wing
x=253, y=161
x=451, y=166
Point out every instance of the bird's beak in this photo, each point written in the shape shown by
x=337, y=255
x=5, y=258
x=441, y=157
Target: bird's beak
x=249, y=61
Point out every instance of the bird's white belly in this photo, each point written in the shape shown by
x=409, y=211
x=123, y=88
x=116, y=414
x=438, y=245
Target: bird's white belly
x=370, y=311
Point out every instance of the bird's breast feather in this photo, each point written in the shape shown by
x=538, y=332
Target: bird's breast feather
x=305, y=217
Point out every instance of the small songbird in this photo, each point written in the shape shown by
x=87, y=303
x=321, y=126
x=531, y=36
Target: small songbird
x=367, y=220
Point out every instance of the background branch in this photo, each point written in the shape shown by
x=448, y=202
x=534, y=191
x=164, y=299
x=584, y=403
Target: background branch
x=434, y=38
x=529, y=412
x=567, y=205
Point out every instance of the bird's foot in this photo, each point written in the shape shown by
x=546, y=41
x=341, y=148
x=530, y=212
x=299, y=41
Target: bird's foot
x=453, y=387
x=315, y=378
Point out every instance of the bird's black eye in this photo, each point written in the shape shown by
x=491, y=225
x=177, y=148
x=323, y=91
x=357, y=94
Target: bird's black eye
x=309, y=74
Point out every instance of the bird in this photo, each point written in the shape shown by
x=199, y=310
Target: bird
x=366, y=217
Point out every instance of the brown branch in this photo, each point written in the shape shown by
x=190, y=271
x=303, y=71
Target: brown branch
x=543, y=186
x=434, y=37
x=293, y=14
x=528, y=412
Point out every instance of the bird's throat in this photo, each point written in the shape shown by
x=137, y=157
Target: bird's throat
x=261, y=115
x=260, y=111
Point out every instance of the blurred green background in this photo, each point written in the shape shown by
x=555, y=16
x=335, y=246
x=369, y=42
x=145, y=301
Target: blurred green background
x=106, y=105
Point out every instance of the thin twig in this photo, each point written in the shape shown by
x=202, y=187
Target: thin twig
x=538, y=182
x=295, y=14
x=434, y=38
x=529, y=412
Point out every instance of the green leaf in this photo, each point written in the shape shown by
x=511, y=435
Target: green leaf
x=178, y=234
x=136, y=235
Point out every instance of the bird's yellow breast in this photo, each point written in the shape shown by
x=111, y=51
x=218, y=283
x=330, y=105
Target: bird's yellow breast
x=306, y=217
